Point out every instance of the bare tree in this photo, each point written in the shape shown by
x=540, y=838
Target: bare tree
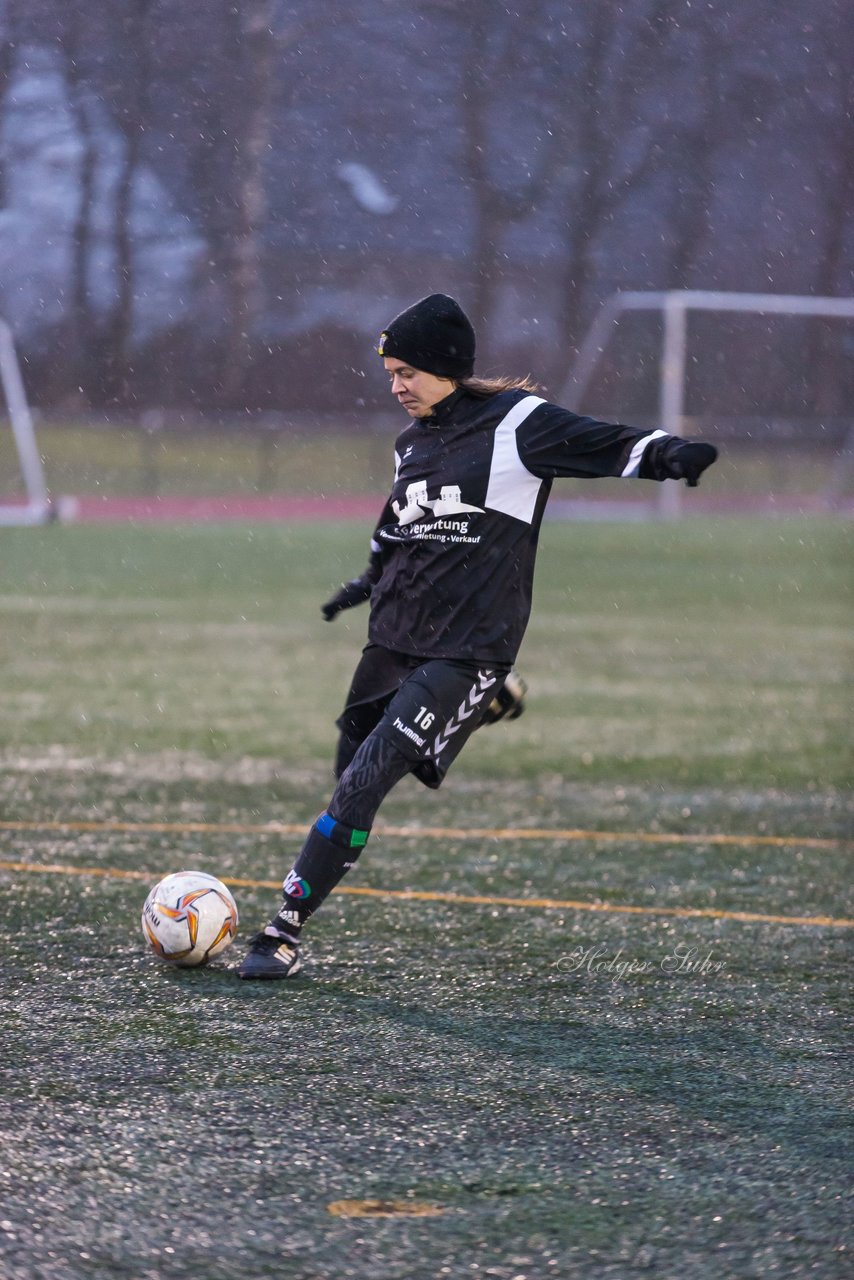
x=231, y=104
x=257, y=43
x=612, y=101
x=497, y=82
x=235, y=107
x=130, y=93
x=82, y=322
x=8, y=53
x=556, y=109
x=694, y=140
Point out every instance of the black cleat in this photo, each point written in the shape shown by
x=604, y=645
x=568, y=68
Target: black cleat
x=270, y=956
x=509, y=702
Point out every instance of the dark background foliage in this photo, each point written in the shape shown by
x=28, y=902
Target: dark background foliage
x=219, y=205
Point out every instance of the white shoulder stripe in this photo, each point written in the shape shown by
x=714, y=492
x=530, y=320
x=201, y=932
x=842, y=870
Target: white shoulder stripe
x=632, y=467
x=512, y=488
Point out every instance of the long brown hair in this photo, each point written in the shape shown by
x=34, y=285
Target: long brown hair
x=486, y=387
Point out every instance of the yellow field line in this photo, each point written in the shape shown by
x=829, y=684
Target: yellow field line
x=443, y=833
x=481, y=900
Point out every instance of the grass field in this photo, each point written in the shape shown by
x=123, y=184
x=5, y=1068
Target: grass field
x=123, y=459
x=582, y=1014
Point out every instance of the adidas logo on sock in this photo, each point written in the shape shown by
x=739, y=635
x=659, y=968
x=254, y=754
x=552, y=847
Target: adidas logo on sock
x=288, y=918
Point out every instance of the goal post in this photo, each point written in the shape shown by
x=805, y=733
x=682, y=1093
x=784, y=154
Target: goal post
x=37, y=509
x=674, y=305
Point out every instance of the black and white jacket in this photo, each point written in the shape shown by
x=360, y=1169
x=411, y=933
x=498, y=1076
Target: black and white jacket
x=459, y=532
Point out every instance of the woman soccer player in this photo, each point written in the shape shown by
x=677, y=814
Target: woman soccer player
x=449, y=580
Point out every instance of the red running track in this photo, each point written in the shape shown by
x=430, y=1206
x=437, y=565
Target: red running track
x=178, y=509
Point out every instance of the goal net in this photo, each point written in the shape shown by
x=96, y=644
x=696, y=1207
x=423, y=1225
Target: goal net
x=763, y=387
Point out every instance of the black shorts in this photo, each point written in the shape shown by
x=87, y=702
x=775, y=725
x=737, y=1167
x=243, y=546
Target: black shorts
x=427, y=708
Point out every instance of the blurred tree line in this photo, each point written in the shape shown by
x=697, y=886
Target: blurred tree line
x=236, y=195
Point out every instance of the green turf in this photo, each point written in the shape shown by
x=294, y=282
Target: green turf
x=707, y=653
x=583, y=1094
x=123, y=458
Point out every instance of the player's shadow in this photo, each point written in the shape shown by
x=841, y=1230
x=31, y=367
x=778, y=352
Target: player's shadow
x=725, y=1075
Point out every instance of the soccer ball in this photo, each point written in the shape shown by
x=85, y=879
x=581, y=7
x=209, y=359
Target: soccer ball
x=189, y=917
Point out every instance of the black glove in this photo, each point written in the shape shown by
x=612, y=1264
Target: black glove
x=356, y=591
x=675, y=459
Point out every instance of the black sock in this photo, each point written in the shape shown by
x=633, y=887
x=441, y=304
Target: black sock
x=330, y=850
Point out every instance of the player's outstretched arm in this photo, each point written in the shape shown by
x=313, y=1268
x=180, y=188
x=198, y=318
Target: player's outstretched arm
x=356, y=591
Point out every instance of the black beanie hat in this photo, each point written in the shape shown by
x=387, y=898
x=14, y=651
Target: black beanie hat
x=434, y=335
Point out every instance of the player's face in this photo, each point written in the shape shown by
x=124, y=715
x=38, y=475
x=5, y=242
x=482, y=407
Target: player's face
x=416, y=390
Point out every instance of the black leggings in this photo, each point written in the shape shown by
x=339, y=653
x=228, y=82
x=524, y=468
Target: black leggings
x=374, y=768
x=417, y=726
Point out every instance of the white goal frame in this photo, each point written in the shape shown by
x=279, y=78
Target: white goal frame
x=37, y=509
x=674, y=304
